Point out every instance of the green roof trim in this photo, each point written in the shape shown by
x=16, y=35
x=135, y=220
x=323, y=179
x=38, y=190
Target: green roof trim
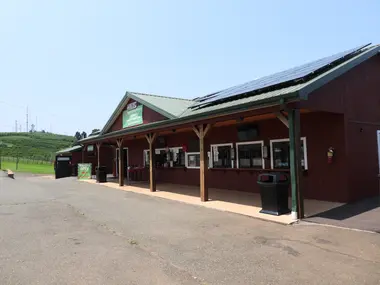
x=337, y=71
x=169, y=107
x=70, y=149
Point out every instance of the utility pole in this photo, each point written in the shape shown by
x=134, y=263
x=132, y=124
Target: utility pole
x=27, y=122
x=20, y=128
x=16, y=126
x=1, y=145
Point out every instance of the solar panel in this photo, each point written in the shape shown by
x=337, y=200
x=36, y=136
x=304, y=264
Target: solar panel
x=293, y=74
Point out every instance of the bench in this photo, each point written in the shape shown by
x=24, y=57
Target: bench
x=10, y=174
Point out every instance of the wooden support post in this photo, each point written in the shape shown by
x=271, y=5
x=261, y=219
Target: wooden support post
x=121, y=161
x=152, y=164
x=295, y=164
x=201, y=131
x=98, y=151
x=282, y=117
x=83, y=150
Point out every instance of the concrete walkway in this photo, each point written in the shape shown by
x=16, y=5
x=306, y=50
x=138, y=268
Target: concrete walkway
x=248, y=204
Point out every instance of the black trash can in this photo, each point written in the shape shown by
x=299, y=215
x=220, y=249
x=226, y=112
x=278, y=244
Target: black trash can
x=101, y=174
x=274, y=193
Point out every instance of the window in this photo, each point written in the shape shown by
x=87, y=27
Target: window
x=177, y=155
x=280, y=153
x=250, y=154
x=146, y=158
x=193, y=160
x=172, y=157
x=160, y=156
x=221, y=155
x=90, y=150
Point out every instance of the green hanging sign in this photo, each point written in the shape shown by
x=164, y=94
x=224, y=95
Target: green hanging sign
x=133, y=117
x=84, y=171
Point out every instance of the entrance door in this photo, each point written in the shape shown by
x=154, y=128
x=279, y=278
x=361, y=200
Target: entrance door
x=378, y=147
x=62, y=167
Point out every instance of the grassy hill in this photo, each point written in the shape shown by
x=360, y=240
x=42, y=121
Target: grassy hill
x=34, y=146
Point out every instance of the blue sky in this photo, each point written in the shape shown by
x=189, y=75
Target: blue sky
x=72, y=61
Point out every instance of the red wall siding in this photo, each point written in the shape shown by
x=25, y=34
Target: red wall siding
x=356, y=94
x=362, y=89
x=76, y=157
x=149, y=116
x=362, y=160
x=362, y=106
x=322, y=181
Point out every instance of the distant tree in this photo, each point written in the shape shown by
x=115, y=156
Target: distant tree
x=32, y=129
x=77, y=136
x=43, y=131
x=83, y=135
x=95, y=131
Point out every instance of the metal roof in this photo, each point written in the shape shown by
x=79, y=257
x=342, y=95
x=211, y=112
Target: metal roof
x=70, y=149
x=299, y=91
x=169, y=107
x=174, y=107
x=279, y=80
x=242, y=101
x=302, y=88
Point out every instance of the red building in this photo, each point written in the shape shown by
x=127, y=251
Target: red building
x=317, y=122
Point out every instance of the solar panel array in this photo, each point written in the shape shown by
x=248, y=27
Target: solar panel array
x=289, y=75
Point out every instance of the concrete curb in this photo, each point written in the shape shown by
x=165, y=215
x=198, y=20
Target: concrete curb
x=308, y=223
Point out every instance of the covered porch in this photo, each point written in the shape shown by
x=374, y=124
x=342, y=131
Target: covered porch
x=210, y=134
x=248, y=204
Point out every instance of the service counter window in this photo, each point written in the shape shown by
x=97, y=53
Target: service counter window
x=176, y=157
x=160, y=156
x=166, y=157
x=222, y=155
x=193, y=160
x=280, y=153
x=250, y=154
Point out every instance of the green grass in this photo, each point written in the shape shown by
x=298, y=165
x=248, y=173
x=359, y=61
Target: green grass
x=33, y=146
x=27, y=167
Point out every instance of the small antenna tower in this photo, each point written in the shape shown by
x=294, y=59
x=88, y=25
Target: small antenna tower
x=27, y=122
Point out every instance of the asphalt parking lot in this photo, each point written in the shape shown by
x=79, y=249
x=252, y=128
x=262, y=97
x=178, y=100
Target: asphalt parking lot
x=68, y=232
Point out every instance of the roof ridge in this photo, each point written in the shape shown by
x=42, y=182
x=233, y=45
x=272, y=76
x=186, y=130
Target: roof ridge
x=154, y=95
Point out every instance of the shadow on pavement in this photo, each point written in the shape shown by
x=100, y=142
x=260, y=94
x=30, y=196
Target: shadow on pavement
x=351, y=209
x=363, y=215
